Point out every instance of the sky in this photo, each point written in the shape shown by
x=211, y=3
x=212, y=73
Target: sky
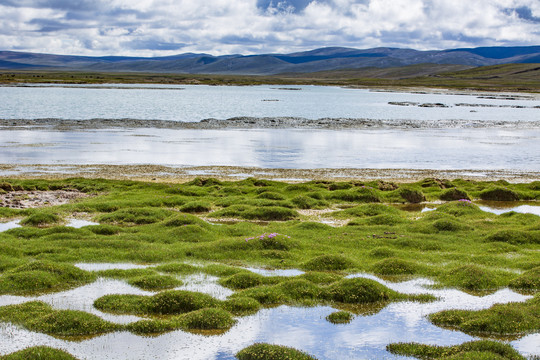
x=221, y=27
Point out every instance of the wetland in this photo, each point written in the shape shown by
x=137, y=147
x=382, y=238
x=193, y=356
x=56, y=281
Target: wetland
x=148, y=275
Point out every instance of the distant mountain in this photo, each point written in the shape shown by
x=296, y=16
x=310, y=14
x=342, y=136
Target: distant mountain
x=325, y=59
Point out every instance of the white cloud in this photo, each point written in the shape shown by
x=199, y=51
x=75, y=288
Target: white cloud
x=162, y=27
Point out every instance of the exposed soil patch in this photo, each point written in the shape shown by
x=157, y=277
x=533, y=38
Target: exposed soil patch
x=34, y=199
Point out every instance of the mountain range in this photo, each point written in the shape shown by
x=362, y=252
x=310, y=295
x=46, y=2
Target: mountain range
x=324, y=59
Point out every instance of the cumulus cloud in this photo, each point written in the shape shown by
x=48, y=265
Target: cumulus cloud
x=165, y=27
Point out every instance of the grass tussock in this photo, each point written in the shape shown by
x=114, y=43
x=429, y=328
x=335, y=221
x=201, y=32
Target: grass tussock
x=39, y=353
x=500, y=319
x=480, y=350
x=340, y=317
x=261, y=351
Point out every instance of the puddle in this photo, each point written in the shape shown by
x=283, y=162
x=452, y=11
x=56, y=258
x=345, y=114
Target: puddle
x=9, y=225
x=501, y=207
x=109, y=266
x=79, y=223
x=365, y=337
x=276, y=272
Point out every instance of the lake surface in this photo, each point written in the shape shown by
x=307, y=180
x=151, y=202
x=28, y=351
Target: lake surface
x=279, y=148
x=482, y=147
x=196, y=102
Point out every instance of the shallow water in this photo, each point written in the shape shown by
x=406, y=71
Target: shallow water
x=303, y=328
x=196, y=102
x=75, y=223
x=443, y=149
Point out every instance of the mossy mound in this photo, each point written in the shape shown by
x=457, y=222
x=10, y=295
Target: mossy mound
x=178, y=268
x=362, y=195
x=196, y=207
x=395, y=266
x=39, y=353
x=155, y=282
x=499, y=194
x=473, y=350
x=382, y=252
x=500, y=319
x=179, y=302
x=328, y=263
x=471, y=277
x=271, y=195
x=265, y=213
x=382, y=219
x=207, y=319
x=529, y=280
x=515, y=237
x=171, y=302
x=135, y=216
x=449, y=225
x=103, y=229
x=243, y=280
x=340, y=317
x=454, y=194
x=321, y=278
x=458, y=208
x=272, y=352
x=193, y=233
x=41, y=276
x=412, y=196
x=241, y=305
x=41, y=317
x=360, y=291
x=41, y=219
x=300, y=290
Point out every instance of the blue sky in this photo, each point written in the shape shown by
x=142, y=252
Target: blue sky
x=218, y=27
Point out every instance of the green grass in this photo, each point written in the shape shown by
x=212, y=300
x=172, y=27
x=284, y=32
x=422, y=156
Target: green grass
x=340, y=317
x=39, y=353
x=41, y=317
x=457, y=245
x=479, y=350
x=261, y=351
x=500, y=319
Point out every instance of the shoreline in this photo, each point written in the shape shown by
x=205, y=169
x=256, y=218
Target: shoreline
x=171, y=174
x=246, y=122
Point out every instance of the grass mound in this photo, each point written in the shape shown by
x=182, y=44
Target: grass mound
x=265, y=213
x=41, y=219
x=529, y=280
x=272, y=352
x=515, y=237
x=394, y=266
x=192, y=233
x=178, y=268
x=454, y=194
x=500, y=319
x=196, y=207
x=340, y=317
x=412, y=196
x=480, y=350
x=449, y=225
x=40, y=276
x=41, y=317
x=361, y=195
x=459, y=208
x=171, y=302
x=241, y=305
x=207, y=319
x=328, y=263
x=154, y=282
x=135, y=216
x=360, y=291
x=103, y=229
x=39, y=353
x=471, y=277
x=499, y=194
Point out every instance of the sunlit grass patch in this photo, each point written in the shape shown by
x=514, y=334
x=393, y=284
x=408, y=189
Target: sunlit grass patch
x=272, y=352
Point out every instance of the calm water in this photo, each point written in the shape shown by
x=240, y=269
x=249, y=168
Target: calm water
x=280, y=148
x=197, y=102
x=303, y=328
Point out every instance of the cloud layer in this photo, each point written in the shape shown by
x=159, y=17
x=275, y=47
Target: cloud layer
x=165, y=27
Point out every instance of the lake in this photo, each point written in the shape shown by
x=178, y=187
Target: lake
x=487, y=145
